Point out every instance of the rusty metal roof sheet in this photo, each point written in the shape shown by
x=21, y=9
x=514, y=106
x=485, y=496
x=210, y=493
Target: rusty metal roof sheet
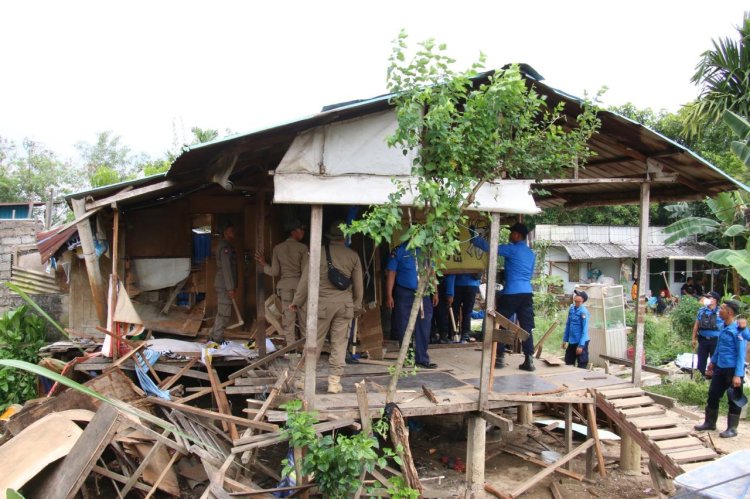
x=599, y=251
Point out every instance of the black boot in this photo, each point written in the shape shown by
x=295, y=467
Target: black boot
x=500, y=359
x=528, y=364
x=350, y=359
x=733, y=420
x=710, y=422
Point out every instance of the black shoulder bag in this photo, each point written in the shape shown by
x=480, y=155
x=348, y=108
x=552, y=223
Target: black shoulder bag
x=338, y=279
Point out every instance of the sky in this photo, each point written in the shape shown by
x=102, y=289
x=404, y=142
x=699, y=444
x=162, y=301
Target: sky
x=150, y=70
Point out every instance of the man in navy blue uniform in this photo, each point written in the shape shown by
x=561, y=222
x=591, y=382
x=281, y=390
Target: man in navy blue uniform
x=461, y=293
x=706, y=329
x=726, y=370
x=517, y=296
x=576, y=336
x=401, y=284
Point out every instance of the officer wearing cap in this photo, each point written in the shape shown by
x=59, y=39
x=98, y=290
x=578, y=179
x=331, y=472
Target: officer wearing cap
x=401, y=284
x=225, y=281
x=336, y=307
x=288, y=258
x=517, y=296
x=576, y=336
x=726, y=370
x=464, y=287
x=706, y=329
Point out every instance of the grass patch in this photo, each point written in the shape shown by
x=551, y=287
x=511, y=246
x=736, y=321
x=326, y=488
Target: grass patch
x=690, y=392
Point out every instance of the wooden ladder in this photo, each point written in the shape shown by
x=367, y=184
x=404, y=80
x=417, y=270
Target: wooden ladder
x=667, y=442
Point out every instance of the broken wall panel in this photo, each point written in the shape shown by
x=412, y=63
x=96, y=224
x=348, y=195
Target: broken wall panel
x=163, y=231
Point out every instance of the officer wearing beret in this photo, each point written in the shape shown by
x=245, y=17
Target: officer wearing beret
x=726, y=370
x=401, y=284
x=576, y=336
x=225, y=281
x=287, y=261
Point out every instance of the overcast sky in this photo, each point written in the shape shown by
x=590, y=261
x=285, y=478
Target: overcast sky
x=150, y=70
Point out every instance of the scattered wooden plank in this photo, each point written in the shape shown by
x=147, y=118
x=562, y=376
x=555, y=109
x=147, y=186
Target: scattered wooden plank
x=651, y=410
x=400, y=439
x=259, y=441
x=663, y=399
x=504, y=424
x=540, y=343
x=553, y=361
x=690, y=456
x=651, y=423
x=594, y=432
x=258, y=425
x=169, y=382
x=629, y=363
x=551, y=468
x=679, y=443
x=247, y=456
x=554, y=489
x=221, y=401
x=162, y=475
x=562, y=471
x=623, y=393
x=268, y=358
x=666, y=433
x=546, y=399
x=488, y=487
x=505, y=323
x=67, y=478
x=120, y=478
x=142, y=467
x=429, y=394
x=631, y=402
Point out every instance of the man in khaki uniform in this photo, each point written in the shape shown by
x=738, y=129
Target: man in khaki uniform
x=336, y=307
x=225, y=281
x=287, y=261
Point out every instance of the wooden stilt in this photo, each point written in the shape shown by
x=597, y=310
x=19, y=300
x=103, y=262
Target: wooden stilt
x=475, y=456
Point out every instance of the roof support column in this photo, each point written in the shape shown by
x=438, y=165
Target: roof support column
x=260, y=289
x=96, y=281
x=485, y=375
x=640, y=313
x=313, y=288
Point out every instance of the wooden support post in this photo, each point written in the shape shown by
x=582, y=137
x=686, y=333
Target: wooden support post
x=115, y=240
x=486, y=374
x=593, y=432
x=640, y=313
x=260, y=290
x=313, y=284
x=475, y=456
x=568, y=431
x=364, y=407
x=525, y=414
x=96, y=281
x=630, y=455
x=400, y=436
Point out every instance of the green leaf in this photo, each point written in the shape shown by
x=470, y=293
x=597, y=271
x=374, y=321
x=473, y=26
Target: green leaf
x=739, y=125
x=734, y=230
x=691, y=226
x=12, y=494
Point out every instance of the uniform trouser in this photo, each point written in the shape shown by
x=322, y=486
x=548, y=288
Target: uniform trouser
x=720, y=383
x=289, y=318
x=223, y=314
x=463, y=302
x=403, y=299
x=522, y=305
x=334, y=318
x=440, y=316
x=706, y=349
x=571, y=356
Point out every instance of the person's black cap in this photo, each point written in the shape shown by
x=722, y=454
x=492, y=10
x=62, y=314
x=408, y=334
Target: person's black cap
x=734, y=305
x=737, y=396
x=520, y=228
x=293, y=224
x=713, y=294
x=582, y=294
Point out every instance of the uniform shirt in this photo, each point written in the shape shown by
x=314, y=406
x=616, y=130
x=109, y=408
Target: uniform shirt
x=453, y=280
x=519, y=264
x=287, y=261
x=730, y=350
x=226, y=266
x=347, y=262
x=709, y=333
x=577, y=326
x=403, y=262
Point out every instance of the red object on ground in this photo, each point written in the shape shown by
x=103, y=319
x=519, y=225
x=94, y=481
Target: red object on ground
x=459, y=465
x=631, y=355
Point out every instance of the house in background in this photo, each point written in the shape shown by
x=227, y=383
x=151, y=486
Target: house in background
x=590, y=253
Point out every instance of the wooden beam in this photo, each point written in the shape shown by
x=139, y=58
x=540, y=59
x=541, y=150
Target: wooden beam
x=266, y=359
x=260, y=289
x=259, y=425
x=313, y=285
x=587, y=181
x=547, y=399
x=551, y=469
x=504, y=424
x=129, y=193
x=96, y=281
x=485, y=374
x=629, y=363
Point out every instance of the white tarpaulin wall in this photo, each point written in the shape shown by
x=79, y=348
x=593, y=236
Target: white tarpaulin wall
x=349, y=162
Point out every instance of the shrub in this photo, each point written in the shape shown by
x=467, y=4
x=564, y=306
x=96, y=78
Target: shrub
x=661, y=341
x=21, y=336
x=690, y=392
x=683, y=316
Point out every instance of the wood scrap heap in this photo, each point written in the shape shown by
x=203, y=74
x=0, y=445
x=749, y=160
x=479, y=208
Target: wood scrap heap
x=125, y=442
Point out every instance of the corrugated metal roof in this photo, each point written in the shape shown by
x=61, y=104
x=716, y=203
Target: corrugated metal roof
x=599, y=251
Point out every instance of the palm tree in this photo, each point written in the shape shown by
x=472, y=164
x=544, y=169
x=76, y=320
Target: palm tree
x=723, y=74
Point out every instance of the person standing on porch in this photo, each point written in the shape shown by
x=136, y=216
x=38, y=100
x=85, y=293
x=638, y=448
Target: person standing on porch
x=726, y=370
x=336, y=306
x=288, y=258
x=225, y=281
x=706, y=329
x=576, y=335
x=461, y=294
x=518, y=295
x=401, y=285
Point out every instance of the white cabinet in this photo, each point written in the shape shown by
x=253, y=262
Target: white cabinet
x=607, y=331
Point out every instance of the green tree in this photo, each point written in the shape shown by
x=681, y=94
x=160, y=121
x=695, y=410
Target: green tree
x=465, y=131
x=32, y=173
x=107, y=161
x=202, y=135
x=723, y=73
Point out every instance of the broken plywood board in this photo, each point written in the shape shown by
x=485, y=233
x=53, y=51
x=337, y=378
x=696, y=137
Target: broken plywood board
x=578, y=428
x=370, y=334
x=431, y=379
x=41, y=443
x=521, y=384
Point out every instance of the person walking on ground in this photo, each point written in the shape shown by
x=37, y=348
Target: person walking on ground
x=706, y=329
x=726, y=370
x=401, y=284
x=576, y=336
x=337, y=306
x=287, y=261
x=225, y=281
x=461, y=294
x=517, y=297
